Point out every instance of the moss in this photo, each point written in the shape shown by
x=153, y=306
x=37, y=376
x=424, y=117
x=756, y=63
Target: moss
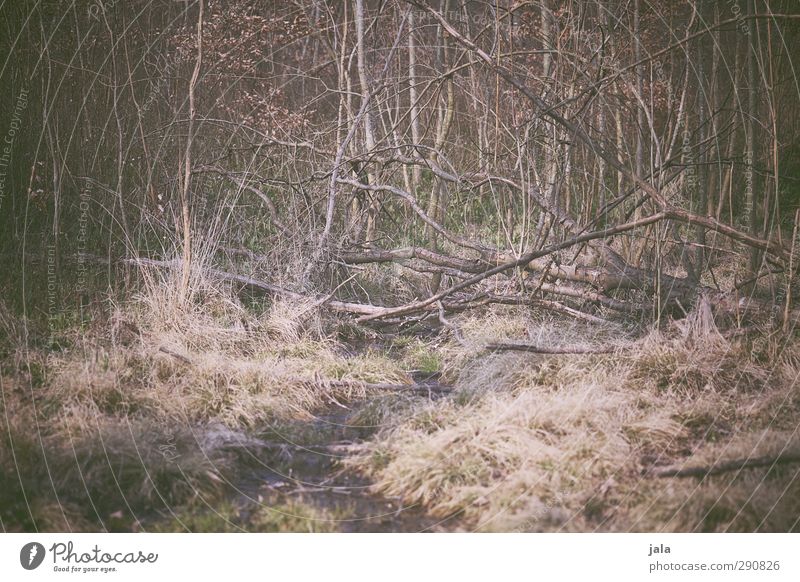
x=418, y=355
x=292, y=517
x=223, y=518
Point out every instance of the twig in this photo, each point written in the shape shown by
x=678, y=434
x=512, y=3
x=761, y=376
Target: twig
x=450, y=325
x=175, y=355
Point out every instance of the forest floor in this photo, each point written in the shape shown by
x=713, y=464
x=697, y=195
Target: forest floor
x=219, y=419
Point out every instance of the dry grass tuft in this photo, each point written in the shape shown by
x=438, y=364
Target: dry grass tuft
x=747, y=500
x=121, y=412
x=540, y=443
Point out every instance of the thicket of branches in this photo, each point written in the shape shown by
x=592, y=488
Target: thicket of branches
x=399, y=158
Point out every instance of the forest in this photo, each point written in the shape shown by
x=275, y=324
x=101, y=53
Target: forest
x=399, y=265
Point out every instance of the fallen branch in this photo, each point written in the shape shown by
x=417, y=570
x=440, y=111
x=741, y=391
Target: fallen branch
x=450, y=325
x=533, y=348
x=523, y=260
x=175, y=355
x=721, y=303
x=728, y=466
x=434, y=258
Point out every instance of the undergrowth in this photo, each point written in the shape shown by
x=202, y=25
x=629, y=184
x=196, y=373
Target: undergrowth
x=148, y=418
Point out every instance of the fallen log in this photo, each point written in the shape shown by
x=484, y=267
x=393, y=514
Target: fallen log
x=521, y=261
x=720, y=302
x=407, y=253
x=618, y=276
x=537, y=349
x=728, y=466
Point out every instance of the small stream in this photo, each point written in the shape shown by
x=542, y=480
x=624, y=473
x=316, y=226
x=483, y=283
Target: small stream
x=299, y=462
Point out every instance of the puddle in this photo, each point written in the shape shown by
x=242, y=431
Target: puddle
x=300, y=461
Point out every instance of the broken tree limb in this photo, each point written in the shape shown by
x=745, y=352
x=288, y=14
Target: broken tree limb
x=463, y=268
x=407, y=253
x=728, y=466
x=594, y=297
x=450, y=325
x=611, y=271
x=627, y=277
x=359, y=308
x=536, y=349
x=175, y=354
x=721, y=303
x=522, y=260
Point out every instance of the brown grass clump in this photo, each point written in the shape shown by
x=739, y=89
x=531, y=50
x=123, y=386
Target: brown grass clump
x=113, y=427
x=201, y=371
x=746, y=500
x=569, y=442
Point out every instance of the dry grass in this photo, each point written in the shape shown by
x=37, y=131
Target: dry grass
x=119, y=423
x=540, y=443
x=223, y=366
x=751, y=500
x=107, y=431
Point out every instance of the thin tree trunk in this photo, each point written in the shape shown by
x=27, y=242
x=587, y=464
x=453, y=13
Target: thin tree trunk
x=416, y=171
x=369, y=135
x=187, y=165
